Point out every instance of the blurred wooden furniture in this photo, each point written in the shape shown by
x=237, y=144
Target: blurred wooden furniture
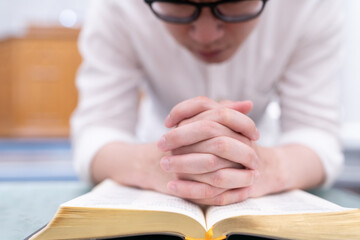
x=37, y=89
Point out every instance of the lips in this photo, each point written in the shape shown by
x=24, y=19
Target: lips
x=210, y=54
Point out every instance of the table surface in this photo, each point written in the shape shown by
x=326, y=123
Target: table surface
x=27, y=206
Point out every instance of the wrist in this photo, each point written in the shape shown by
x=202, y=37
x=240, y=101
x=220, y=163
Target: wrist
x=281, y=163
x=274, y=169
x=127, y=164
x=298, y=167
x=147, y=166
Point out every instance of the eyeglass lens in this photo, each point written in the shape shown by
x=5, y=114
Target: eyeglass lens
x=236, y=9
x=240, y=9
x=174, y=10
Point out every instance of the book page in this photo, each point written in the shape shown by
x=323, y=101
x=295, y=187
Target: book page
x=292, y=202
x=109, y=194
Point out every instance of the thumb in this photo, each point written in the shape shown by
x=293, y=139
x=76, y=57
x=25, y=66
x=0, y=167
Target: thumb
x=240, y=106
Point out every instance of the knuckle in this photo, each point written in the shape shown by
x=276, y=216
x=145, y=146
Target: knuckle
x=205, y=125
x=218, y=179
x=208, y=192
x=250, y=124
x=249, y=178
x=254, y=159
x=220, y=200
x=245, y=140
x=202, y=100
x=249, y=156
x=208, y=127
x=190, y=194
x=248, y=142
x=212, y=163
x=221, y=145
x=193, y=193
x=223, y=115
x=172, y=136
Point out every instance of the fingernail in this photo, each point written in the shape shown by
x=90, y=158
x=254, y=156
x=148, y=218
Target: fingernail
x=165, y=164
x=256, y=135
x=168, y=121
x=172, y=187
x=162, y=143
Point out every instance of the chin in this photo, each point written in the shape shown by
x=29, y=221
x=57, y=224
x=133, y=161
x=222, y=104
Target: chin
x=214, y=59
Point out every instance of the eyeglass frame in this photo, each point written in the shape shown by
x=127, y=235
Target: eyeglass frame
x=212, y=5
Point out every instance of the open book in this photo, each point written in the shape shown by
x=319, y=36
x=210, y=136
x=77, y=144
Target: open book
x=111, y=210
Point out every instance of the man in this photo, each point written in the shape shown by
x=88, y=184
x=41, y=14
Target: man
x=209, y=69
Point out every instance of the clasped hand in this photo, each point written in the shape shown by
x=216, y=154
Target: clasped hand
x=211, y=149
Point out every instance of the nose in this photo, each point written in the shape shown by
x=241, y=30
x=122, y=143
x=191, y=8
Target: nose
x=206, y=29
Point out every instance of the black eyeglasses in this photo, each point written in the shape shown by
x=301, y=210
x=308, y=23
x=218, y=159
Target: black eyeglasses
x=183, y=11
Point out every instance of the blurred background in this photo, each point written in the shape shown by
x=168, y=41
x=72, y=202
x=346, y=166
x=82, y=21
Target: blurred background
x=38, y=64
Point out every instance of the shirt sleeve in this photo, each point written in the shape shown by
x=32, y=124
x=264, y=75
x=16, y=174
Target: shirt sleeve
x=308, y=89
x=107, y=82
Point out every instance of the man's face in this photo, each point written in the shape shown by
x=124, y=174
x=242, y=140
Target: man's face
x=210, y=39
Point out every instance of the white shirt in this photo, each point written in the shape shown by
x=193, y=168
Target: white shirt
x=293, y=55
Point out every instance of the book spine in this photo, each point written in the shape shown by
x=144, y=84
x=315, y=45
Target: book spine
x=208, y=236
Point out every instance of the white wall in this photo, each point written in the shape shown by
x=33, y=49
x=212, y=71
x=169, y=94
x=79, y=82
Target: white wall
x=350, y=84
x=5, y=17
x=16, y=15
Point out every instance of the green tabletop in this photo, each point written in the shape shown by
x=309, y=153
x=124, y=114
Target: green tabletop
x=27, y=206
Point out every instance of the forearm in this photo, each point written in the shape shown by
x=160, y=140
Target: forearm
x=128, y=164
x=303, y=166
x=291, y=167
